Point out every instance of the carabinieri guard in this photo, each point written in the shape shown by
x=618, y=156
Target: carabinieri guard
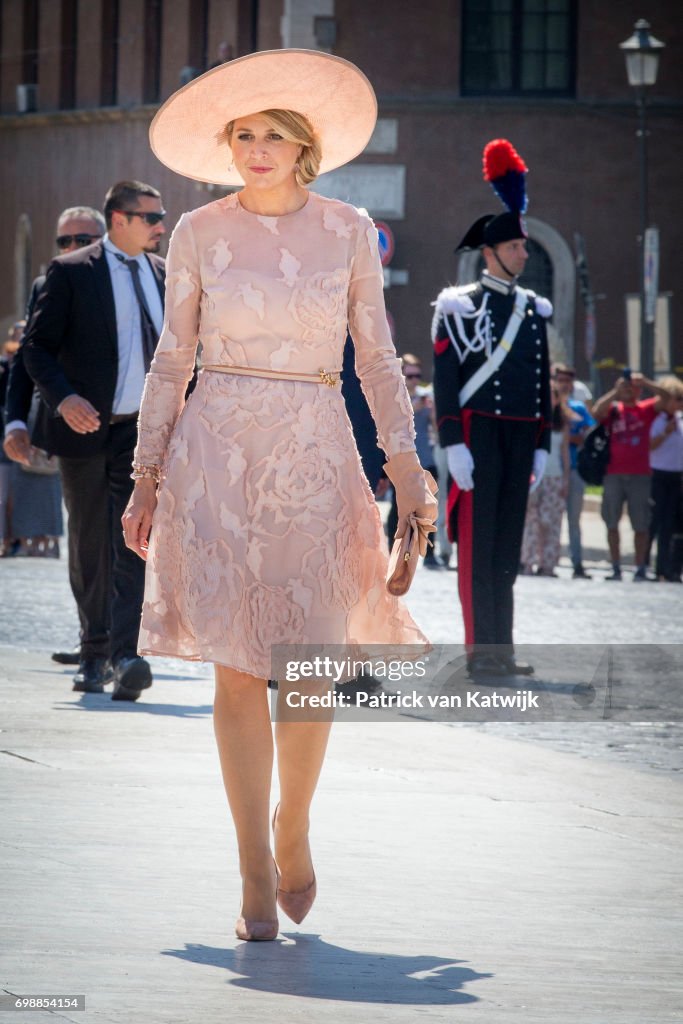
x=492, y=396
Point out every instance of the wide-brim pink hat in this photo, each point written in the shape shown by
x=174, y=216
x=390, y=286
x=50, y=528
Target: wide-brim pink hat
x=188, y=132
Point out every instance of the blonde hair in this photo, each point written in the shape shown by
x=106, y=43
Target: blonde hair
x=293, y=127
x=672, y=385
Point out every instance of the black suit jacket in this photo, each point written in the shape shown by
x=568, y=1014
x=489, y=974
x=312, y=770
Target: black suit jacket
x=20, y=386
x=362, y=423
x=71, y=346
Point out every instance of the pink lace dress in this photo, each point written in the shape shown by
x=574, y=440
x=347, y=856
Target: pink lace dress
x=266, y=531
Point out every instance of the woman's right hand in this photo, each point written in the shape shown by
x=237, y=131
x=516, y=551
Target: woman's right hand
x=415, y=493
x=137, y=519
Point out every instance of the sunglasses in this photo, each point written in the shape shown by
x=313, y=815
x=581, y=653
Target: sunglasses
x=149, y=218
x=412, y=376
x=64, y=241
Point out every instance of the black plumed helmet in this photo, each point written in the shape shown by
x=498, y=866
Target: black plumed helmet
x=505, y=170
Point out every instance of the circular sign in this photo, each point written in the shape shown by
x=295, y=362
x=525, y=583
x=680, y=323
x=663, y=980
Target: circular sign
x=386, y=242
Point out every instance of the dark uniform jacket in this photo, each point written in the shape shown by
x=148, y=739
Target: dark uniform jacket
x=469, y=321
x=71, y=346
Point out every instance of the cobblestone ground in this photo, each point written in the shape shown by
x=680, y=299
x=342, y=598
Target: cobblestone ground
x=640, y=622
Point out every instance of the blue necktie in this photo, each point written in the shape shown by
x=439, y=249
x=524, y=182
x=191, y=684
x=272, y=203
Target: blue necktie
x=147, y=328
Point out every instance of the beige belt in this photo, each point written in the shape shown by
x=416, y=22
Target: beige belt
x=329, y=377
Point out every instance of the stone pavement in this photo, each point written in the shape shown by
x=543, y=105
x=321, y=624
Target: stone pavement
x=466, y=873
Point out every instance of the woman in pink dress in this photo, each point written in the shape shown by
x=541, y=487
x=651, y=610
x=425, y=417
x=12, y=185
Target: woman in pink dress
x=263, y=528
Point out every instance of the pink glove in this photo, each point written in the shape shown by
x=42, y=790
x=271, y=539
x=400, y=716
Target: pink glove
x=415, y=494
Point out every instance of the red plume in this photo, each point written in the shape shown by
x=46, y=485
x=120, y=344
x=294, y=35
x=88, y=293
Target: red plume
x=500, y=156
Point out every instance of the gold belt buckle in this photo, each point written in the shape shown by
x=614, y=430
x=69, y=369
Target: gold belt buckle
x=328, y=378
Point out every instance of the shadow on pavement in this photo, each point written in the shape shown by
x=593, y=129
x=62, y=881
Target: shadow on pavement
x=68, y=671
x=103, y=703
x=305, y=966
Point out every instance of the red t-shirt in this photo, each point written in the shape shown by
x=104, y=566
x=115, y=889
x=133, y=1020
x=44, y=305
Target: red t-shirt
x=629, y=428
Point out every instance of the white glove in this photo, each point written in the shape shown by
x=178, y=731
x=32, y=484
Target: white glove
x=540, y=459
x=460, y=465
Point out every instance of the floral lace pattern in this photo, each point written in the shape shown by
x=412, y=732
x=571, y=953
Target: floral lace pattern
x=265, y=530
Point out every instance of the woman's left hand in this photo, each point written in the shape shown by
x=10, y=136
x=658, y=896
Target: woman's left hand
x=137, y=519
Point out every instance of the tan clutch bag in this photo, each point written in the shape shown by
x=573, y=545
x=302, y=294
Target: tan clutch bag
x=403, y=560
x=406, y=550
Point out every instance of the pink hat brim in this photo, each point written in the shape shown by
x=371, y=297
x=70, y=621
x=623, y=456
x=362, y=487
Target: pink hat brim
x=187, y=133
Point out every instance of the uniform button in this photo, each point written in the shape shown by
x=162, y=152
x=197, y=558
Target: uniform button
x=529, y=312
x=496, y=383
x=534, y=327
x=498, y=412
x=538, y=371
x=538, y=415
x=538, y=355
x=538, y=341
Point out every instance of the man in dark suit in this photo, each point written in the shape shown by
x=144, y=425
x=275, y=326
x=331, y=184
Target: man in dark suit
x=77, y=227
x=87, y=348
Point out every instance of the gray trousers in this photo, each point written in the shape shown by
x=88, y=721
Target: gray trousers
x=574, y=508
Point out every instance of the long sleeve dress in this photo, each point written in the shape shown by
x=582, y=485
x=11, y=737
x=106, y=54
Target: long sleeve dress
x=266, y=531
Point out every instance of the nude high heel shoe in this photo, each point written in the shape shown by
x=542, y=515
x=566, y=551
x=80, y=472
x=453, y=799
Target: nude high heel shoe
x=256, y=931
x=296, y=904
x=259, y=931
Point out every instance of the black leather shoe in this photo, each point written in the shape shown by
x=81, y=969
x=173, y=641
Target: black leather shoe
x=90, y=676
x=581, y=574
x=480, y=665
x=513, y=667
x=130, y=677
x=67, y=657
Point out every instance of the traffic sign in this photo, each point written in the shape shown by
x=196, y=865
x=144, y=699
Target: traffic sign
x=386, y=242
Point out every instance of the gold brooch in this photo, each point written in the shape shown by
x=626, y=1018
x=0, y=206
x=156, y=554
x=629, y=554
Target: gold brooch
x=328, y=378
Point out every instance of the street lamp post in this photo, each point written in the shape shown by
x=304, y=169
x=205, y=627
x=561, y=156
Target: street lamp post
x=641, y=51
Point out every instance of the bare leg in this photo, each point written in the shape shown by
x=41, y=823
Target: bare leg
x=613, y=542
x=301, y=747
x=245, y=746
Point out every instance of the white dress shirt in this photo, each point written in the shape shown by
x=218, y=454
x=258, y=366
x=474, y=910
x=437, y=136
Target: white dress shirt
x=130, y=378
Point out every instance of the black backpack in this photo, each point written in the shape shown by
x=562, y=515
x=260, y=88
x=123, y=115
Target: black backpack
x=593, y=457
